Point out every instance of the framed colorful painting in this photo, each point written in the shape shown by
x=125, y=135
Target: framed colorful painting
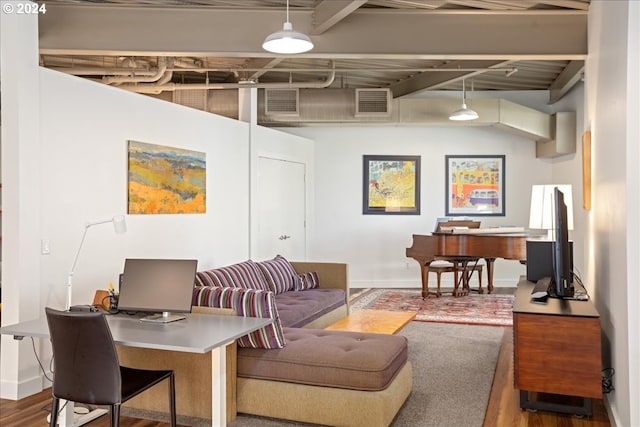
x=475, y=185
x=166, y=180
x=391, y=185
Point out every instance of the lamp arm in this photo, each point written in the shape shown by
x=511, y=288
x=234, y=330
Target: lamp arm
x=73, y=267
x=75, y=259
x=91, y=224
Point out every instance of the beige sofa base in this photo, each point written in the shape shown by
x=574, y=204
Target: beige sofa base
x=193, y=373
x=324, y=405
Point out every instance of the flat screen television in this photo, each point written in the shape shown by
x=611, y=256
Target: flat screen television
x=160, y=287
x=562, y=280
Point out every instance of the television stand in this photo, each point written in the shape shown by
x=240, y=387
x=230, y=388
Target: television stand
x=557, y=353
x=556, y=403
x=164, y=317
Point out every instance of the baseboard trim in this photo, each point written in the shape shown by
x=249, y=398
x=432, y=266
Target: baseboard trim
x=16, y=391
x=411, y=284
x=613, y=415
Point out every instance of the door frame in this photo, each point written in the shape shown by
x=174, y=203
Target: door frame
x=290, y=148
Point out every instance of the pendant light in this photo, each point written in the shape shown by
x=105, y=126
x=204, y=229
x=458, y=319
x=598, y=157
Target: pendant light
x=287, y=41
x=463, y=113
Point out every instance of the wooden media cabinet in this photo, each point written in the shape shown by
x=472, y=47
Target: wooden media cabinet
x=557, y=352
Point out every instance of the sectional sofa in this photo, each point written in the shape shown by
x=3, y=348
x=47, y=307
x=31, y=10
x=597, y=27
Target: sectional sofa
x=292, y=369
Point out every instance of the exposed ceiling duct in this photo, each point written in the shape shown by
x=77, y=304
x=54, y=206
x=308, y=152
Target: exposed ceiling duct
x=170, y=87
x=544, y=41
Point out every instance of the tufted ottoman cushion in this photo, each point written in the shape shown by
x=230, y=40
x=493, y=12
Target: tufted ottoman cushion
x=351, y=360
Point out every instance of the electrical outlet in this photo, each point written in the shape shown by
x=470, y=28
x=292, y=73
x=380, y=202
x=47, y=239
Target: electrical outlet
x=45, y=248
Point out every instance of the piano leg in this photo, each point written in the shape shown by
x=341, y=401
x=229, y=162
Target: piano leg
x=461, y=279
x=470, y=271
x=490, y=262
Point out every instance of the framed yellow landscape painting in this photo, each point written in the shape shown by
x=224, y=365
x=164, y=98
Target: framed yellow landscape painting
x=165, y=180
x=391, y=185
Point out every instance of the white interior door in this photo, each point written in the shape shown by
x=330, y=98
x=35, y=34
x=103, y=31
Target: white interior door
x=281, y=198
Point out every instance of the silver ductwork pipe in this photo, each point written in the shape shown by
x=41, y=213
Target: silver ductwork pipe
x=154, y=78
x=170, y=87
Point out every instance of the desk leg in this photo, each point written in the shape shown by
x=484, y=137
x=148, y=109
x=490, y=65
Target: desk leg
x=66, y=414
x=219, y=386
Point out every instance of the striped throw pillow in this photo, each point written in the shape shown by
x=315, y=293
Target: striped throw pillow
x=308, y=280
x=245, y=275
x=247, y=303
x=280, y=274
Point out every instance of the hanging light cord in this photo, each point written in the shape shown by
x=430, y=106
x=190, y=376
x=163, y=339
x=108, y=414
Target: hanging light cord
x=288, y=11
x=464, y=94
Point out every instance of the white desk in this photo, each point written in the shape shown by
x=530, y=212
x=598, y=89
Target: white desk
x=198, y=333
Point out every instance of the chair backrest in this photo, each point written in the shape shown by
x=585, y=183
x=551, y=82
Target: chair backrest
x=86, y=366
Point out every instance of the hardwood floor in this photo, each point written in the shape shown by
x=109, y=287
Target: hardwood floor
x=503, y=409
x=33, y=410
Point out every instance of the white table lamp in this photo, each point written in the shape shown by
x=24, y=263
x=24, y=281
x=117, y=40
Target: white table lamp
x=119, y=226
x=542, y=207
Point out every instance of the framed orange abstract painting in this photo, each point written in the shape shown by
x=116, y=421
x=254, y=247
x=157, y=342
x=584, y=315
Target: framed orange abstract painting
x=475, y=185
x=165, y=180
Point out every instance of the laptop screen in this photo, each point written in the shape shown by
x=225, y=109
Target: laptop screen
x=157, y=285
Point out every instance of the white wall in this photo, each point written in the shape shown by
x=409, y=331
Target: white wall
x=374, y=245
x=82, y=177
x=85, y=179
x=612, y=109
x=21, y=210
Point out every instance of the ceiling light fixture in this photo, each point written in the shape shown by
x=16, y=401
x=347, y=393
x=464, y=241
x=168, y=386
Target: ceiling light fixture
x=463, y=113
x=287, y=41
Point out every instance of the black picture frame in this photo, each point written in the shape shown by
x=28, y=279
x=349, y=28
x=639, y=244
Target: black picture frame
x=391, y=185
x=475, y=185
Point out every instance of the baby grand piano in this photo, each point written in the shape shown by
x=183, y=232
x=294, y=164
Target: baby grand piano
x=464, y=246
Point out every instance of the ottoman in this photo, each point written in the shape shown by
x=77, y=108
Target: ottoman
x=325, y=377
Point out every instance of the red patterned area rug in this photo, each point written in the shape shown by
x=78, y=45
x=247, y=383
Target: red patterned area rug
x=473, y=309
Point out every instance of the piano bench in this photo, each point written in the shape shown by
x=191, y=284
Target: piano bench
x=455, y=268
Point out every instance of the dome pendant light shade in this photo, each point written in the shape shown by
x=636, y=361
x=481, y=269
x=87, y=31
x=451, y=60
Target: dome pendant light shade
x=287, y=41
x=463, y=113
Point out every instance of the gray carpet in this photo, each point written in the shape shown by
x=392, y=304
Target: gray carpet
x=453, y=367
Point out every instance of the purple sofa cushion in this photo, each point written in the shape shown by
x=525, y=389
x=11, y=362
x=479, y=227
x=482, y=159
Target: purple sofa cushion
x=296, y=309
x=280, y=274
x=245, y=275
x=308, y=280
x=247, y=303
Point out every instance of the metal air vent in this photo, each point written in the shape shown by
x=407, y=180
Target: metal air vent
x=191, y=98
x=281, y=101
x=373, y=102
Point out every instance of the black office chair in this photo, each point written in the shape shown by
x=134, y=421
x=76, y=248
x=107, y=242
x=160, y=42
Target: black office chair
x=86, y=366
